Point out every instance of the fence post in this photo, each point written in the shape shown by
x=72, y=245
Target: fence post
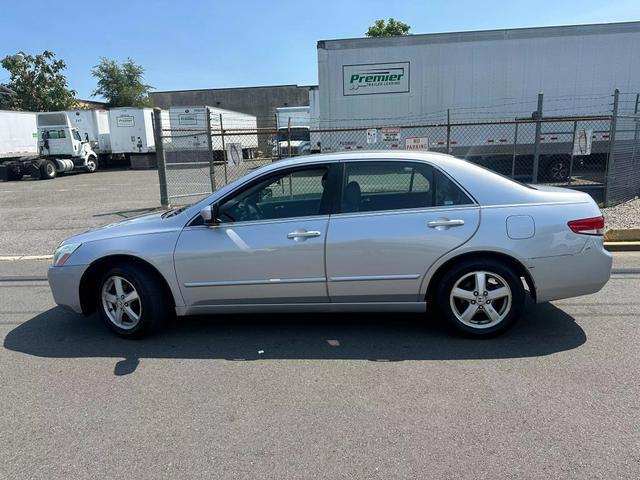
x=289, y=137
x=573, y=146
x=448, y=131
x=536, y=145
x=160, y=157
x=611, y=176
x=515, y=146
x=224, y=151
x=212, y=171
x=278, y=152
x=635, y=133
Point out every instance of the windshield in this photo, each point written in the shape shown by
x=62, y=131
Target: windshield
x=297, y=134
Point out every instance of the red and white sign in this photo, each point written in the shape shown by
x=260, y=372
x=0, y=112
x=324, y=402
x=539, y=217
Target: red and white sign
x=416, y=143
x=390, y=134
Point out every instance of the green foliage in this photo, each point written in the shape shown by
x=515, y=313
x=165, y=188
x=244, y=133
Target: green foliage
x=391, y=28
x=121, y=85
x=38, y=82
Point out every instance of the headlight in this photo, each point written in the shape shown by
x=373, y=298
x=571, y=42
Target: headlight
x=63, y=252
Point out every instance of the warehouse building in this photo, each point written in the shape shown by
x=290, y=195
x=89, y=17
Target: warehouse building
x=258, y=101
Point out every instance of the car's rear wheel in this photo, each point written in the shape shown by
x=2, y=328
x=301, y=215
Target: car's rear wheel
x=131, y=301
x=480, y=298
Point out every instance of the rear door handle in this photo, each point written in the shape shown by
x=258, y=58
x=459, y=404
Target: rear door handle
x=445, y=223
x=303, y=234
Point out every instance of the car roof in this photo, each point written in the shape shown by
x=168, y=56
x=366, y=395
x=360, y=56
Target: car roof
x=432, y=157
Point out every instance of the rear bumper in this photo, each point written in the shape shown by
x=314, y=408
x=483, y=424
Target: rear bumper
x=65, y=286
x=572, y=275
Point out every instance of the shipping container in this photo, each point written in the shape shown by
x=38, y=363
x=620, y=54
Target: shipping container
x=18, y=134
x=131, y=130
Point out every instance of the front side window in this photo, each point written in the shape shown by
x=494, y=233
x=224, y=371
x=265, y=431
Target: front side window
x=376, y=186
x=76, y=136
x=296, y=193
x=53, y=134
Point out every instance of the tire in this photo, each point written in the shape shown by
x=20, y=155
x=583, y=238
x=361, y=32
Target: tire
x=472, y=312
x=14, y=172
x=557, y=171
x=149, y=301
x=47, y=170
x=92, y=165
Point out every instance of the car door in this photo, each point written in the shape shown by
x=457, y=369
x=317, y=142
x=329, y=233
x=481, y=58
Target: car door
x=396, y=218
x=268, y=247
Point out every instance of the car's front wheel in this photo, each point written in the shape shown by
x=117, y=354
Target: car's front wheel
x=131, y=301
x=480, y=298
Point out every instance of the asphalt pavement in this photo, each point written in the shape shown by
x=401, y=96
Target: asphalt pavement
x=302, y=396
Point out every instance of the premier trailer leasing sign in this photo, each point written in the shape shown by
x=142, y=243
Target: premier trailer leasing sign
x=375, y=78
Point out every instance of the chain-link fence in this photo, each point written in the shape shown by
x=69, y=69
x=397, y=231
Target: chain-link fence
x=204, y=149
x=623, y=180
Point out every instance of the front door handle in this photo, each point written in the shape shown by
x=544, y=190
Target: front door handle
x=301, y=234
x=443, y=223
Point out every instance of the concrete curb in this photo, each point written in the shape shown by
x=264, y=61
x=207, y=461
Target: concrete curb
x=622, y=235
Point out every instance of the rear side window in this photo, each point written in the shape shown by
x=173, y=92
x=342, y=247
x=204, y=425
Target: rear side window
x=447, y=192
x=377, y=186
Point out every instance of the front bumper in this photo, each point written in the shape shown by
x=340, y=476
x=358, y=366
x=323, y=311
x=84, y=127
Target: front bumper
x=65, y=285
x=568, y=276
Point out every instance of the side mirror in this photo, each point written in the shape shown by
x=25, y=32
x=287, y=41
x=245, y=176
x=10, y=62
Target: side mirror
x=209, y=214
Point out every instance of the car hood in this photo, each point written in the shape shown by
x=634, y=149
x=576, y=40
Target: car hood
x=151, y=223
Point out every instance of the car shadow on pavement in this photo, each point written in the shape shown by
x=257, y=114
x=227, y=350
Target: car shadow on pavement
x=56, y=333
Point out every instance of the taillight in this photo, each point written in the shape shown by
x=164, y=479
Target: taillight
x=588, y=226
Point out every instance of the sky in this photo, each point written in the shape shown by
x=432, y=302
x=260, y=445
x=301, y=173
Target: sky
x=190, y=44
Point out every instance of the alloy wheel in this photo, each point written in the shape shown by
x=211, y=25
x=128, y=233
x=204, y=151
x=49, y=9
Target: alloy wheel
x=481, y=299
x=121, y=302
x=559, y=171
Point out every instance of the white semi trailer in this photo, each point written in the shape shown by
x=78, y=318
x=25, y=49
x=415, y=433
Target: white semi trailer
x=93, y=126
x=481, y=75
x=131, y=131
x=18, y=134
x=188, y=126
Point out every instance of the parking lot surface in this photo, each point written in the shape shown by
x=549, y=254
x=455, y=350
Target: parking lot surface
x=301, y=396
x=36, y=215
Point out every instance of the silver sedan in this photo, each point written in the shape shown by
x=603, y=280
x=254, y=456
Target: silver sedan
x=365, y=231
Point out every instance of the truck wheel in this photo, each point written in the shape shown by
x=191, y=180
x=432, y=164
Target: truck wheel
x=14, y=172
x=92, y=165
x=47, y=170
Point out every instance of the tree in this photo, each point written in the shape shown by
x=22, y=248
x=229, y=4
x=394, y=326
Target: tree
x=391, y=29
x=38, y=82
x=122, y=85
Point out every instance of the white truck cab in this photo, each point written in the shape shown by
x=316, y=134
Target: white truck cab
x=61, y=147
x=295, y=138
